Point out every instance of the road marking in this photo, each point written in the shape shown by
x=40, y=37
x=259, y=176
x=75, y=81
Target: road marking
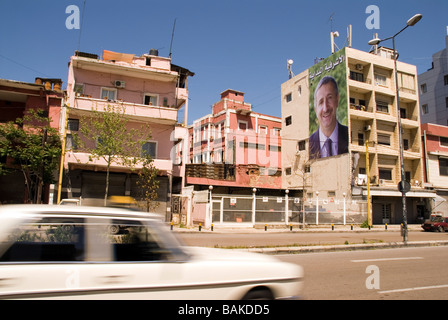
x=388, y=259
x=415, y=289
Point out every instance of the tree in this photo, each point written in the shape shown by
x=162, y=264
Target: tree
x=107, y=136
x=148, y=183
x=33, y=147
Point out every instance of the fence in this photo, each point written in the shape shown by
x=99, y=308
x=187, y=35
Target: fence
x=251, y=210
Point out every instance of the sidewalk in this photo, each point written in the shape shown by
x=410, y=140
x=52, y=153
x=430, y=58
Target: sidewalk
x=322, y=238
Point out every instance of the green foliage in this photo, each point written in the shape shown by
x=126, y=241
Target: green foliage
x=35, y=149
x=106, y=135
x=148, y=184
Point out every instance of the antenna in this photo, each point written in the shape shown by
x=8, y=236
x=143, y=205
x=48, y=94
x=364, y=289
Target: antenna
x=82, y=22
x=349, y=35
x=172, y=37
x=289, y=64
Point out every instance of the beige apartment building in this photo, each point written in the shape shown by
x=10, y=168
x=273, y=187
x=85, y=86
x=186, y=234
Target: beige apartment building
x=370, y=168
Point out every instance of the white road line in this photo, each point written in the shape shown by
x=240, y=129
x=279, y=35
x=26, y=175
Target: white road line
x=414, y=289
x=388, y=259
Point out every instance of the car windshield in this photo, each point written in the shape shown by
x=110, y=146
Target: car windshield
x=436, y=219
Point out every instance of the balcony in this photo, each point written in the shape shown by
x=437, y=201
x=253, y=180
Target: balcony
x=162, y=115
x=83, y=160
x=225, y=172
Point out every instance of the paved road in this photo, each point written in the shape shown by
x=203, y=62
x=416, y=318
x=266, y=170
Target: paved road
x=273, y=238
x=405, y=273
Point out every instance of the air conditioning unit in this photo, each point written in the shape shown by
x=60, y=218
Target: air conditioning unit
x=119, y=84
x=367, y=128
x=382, y=182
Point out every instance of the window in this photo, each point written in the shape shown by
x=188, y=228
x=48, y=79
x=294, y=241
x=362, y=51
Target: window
x=405, y=144
x=385, y=174
x=73, y=124
x=263, y=130
x=108, y=94
x=443, y=166
x=288, y=171
x=384, y=139
x=79, y=89
x=242, y=125
x=302, y=145
x=135, y=242
x=403, y=113
x=380, y=80
x=288, y=97
x=356, y=76
x=48, y=240
x=425, y=109
x=151, y=99
x=149, y=148
x=360, y=139
x=446, y=102
x=276, y=132
x=445, y=79
x=382, y=106
x=443, y=141
x=386, y=209
x=423, y=88
x=70, y=142
x=288, y=120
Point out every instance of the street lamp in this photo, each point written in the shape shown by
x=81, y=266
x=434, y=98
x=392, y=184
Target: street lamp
x=402, y=186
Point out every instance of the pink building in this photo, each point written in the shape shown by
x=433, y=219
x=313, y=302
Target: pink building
x=152, y=90
x=235, y=149
x=16, y=98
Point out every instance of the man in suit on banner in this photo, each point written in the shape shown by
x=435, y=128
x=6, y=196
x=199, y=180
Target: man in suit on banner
x=331, y=138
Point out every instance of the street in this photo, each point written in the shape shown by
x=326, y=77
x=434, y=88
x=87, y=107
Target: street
x=380, y=274
x=405, y=273
x=274, y=238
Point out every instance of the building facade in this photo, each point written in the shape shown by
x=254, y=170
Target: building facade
x=368, y=167
x=433, y=89
x=16, y=99
x=235, y=149
x=151, y=90
x=435, y=150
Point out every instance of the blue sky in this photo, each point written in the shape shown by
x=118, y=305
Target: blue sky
x=243, y=45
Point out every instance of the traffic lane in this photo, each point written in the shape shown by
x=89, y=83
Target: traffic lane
x=263, y=239
x=405, y=273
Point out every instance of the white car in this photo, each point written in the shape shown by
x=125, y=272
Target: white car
x=69, y=252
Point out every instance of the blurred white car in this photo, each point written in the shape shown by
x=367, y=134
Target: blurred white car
x=69, y=252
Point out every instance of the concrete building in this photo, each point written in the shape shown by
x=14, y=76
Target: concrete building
x=433, y=89
x=16, y=98
x=435, y=150
x=235, y=149
x=235, y=161
x=151, y=90
x=369, y=169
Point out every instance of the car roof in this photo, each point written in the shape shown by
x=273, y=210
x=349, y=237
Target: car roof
x=29, y=210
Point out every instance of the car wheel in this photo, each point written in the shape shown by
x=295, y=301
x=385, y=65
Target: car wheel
x=259, y=294
x=441, y=229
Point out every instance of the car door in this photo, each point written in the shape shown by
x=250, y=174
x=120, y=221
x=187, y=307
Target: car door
x=40, y=257
x=136, y=264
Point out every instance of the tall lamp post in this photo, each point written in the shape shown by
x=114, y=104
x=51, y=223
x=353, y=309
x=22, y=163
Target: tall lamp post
x=402, y=186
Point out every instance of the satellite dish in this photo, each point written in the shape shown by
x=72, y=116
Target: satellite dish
x=290, y=62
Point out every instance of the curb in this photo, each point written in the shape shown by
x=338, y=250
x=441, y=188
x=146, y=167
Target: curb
x=343, y=247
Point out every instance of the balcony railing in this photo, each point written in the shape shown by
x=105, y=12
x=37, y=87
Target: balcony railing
x=211, y=171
